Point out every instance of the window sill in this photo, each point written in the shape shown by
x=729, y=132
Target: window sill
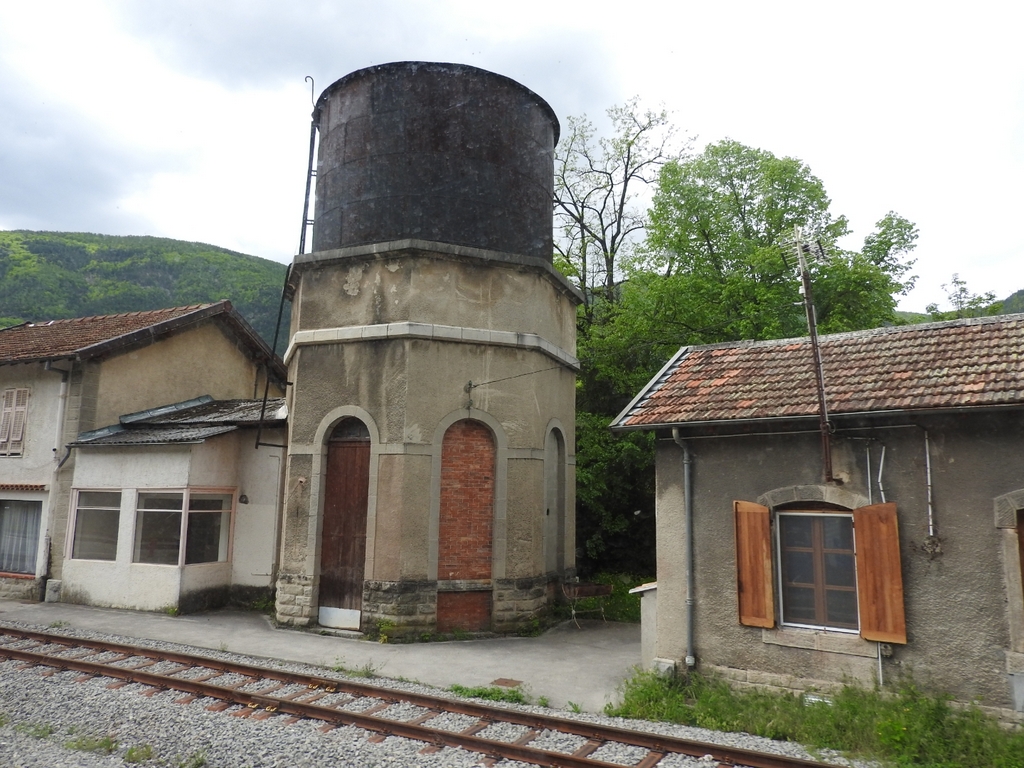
x=11, y=575
x=820, y=640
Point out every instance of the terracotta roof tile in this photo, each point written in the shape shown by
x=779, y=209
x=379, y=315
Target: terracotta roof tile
x=959, y=363
x=54, y=339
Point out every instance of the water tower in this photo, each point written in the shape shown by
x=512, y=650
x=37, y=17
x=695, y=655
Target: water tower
x=430, y=478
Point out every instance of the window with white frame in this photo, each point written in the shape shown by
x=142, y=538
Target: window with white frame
x=165, y=520
x=817, y=571
x=829, y=569
x=19, y=535
x=13, y=415
x=97, y=519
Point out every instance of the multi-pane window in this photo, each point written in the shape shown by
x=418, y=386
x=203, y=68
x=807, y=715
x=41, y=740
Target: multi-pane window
x=158, y=528
x=815, y=573
x=19, y=535
x=13, y=414
x=164, y=519
x=209, y=519
x=818, y=570
x=97, y=516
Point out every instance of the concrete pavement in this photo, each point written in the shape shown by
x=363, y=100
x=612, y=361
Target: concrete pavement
x=584, y=666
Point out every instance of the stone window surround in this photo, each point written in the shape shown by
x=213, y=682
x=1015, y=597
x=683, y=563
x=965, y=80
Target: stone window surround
x=829, y=641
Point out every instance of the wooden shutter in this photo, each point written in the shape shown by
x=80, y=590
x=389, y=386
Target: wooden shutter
x=6, y=418
x=18, y=427
x=879, y=579
x=754, y=564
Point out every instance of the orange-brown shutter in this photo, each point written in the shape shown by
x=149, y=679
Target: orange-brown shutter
x=754, y=564
x=879, y=579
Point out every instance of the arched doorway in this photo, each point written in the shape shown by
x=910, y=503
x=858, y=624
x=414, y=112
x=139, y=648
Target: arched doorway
x=465, y=527
x=343, y=536
x=554, y=502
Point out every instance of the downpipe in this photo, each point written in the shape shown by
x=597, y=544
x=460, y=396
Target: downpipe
x=690, y=660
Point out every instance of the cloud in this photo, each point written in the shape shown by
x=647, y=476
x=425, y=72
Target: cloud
x=62, y=172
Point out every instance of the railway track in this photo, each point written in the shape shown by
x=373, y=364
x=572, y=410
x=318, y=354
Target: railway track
x=262, y=693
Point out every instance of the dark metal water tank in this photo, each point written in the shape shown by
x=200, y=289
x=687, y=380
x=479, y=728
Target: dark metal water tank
x=440, y=152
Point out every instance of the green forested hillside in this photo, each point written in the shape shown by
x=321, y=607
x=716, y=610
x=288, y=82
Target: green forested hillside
x=54, y=275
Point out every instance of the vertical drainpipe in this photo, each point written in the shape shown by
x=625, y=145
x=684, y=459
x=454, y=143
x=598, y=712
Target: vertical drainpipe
x=691, y=661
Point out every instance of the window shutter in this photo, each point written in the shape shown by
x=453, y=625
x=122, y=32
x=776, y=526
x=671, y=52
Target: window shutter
x=6, y=416
x=20, y=414
x=879, y=578
x=754, y=564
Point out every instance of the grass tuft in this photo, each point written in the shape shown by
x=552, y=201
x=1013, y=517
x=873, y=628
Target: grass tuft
x=104, y=744
x=906, y=728
x=491, y=693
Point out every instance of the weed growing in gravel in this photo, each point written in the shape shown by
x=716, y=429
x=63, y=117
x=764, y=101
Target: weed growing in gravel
x=491, y=693
x=171, y=610
x=139, y=754
x=906, y=726
x=35, y=730
x=572, y=706
x=543, y=702
x=104, y=744
x=195, y=760
x=4, y=719
x=57, y=624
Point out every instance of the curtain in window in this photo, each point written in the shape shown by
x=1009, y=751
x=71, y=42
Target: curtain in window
x=19, y=535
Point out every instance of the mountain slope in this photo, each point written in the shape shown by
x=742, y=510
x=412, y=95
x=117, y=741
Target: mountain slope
x=54, y=275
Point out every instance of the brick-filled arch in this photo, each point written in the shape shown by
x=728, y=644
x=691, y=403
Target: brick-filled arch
x=465, y=526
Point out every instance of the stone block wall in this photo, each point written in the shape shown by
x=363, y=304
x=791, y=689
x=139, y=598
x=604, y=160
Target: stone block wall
x=296, y=600
x=410, y=605
x=518, y=600
x=21, y=589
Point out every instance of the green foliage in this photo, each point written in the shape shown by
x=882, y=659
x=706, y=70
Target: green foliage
x=54, y=275
x=139, y=754
x=104, y=744
x=195, y=760
x=907, y=727
x=614, y=482
x=1014, y=303
x=35, y=730
x=572, y=706
x=964, y=303
x=491, y=693
x=619, y=605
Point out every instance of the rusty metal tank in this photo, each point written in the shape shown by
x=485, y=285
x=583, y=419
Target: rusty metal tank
x=436, y=152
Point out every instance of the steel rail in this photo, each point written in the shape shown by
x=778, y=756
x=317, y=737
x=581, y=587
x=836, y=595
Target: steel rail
x=657, y=745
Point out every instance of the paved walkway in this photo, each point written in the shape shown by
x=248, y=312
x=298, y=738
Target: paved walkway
x=584, y=666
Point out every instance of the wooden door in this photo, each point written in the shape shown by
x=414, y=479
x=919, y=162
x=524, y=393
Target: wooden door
x=343, y=537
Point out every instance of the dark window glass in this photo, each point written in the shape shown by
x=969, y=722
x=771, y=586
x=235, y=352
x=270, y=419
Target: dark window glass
x=157, y=528
x=97, y=520
x=819, y=579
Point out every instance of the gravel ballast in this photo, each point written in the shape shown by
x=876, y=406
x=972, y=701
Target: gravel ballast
x=43, y=713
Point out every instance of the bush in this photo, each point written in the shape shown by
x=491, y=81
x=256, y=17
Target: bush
x=905, y=727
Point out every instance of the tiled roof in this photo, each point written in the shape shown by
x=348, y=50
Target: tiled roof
x=954, y=364
x=54, y=339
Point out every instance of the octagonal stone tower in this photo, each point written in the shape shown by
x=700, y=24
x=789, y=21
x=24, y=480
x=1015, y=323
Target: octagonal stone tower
x=430, y=478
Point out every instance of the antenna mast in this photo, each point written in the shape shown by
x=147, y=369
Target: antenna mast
x=819, y=372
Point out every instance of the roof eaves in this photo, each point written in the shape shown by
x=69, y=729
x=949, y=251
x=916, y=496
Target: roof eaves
x=650, y=387
x=152, y=332
x=165, y=410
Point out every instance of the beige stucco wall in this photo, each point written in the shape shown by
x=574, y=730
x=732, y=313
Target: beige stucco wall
x=198, y=361
x=42, y=446
x=408, y=390
x=432, y=288
x=956, y=603
x=228, y=463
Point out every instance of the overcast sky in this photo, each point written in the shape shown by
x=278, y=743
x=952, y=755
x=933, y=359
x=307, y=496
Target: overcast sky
x=190, y=119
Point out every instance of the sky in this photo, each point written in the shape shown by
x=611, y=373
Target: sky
x=190, y=118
